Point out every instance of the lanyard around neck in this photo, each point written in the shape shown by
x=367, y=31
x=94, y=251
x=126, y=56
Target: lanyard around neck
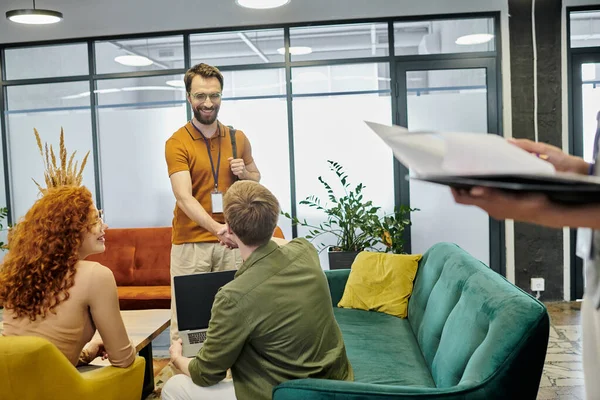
x=215, y=171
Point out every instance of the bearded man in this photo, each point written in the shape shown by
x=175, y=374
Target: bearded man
x=204, y=158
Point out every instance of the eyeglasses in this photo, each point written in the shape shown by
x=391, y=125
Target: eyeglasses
x=201, y=97
x=100, y=216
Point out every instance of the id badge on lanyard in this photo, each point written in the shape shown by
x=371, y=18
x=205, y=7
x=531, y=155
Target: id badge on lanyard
x=216, y=201
x=216, y=197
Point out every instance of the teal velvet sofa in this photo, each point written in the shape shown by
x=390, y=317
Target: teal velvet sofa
x=470, y=334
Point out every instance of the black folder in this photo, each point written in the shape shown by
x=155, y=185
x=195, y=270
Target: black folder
x=561, y=188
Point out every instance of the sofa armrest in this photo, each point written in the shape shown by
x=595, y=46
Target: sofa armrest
x=324, y=389
x=116, y=383
x=337, y=279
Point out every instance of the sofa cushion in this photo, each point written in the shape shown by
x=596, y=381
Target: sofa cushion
x=144, y=297
x=382, y=349
x=381, y=282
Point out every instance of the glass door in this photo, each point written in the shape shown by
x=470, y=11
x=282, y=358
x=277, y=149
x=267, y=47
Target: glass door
x=450, y=96
x=585, y=110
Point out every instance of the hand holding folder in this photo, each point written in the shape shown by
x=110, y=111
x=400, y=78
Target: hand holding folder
x=465, y=160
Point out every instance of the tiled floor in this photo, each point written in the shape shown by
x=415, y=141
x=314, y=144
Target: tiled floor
x=563, y=373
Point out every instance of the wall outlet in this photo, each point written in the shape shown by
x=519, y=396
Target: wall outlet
x=537, y=284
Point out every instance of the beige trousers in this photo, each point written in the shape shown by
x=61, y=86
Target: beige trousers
x=590, y=321
x=181, y=387
x=195, y=258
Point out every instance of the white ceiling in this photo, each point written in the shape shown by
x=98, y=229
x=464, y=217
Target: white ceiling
x=95, y=18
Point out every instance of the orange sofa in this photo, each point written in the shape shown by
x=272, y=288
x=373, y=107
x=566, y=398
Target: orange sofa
x=140, y=260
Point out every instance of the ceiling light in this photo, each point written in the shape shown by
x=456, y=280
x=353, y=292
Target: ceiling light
x=477, y=38
x=134, y=61
x=296, y=50
x=178, y=83
x=261, y=4
x=104, y=91
x=34, y=16
x=76, y=96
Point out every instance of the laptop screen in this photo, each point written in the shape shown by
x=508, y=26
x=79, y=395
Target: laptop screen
x=194, y=297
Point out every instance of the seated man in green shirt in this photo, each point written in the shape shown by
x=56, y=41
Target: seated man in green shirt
x=272, y=323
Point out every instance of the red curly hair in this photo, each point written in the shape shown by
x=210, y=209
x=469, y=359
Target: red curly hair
x=39, y=268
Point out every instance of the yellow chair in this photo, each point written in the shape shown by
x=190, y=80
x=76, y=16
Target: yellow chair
x=32, y=368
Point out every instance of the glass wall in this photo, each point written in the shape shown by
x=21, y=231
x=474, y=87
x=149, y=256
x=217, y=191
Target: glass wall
x=584, y=28
x=264, y=120
x=339, y=41
x=590, y=101
x=329, y=114
x=238, y=48
x=48, y=108
x=297, y=113
x=46, y=61
x=459, y=97
x=583, y=54
x=151, y=54
x=136, y=116
x=444, y=36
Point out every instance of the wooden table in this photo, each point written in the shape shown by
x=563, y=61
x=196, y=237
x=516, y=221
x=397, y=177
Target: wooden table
x=143, y=326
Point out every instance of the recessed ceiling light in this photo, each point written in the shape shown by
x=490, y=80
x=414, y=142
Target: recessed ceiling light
x=261, y=4
x=178, y=83
x=477, y=38
x=105, y=91
x=134, y=61
x=34, y=16
x=296, y=50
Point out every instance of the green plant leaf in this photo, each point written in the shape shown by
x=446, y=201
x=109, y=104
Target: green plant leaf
x=354, y=223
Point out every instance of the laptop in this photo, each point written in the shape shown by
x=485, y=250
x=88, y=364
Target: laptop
x=194, y=297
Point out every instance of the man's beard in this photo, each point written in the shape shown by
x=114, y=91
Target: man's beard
x=204, y=120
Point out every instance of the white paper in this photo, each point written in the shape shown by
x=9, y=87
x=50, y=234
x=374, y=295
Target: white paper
x=454, y=153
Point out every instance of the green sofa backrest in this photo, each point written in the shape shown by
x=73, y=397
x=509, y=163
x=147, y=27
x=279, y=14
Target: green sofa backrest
x=472, y=325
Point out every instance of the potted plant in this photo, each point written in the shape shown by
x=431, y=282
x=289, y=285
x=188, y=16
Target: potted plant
x=355, y=224
x=390, y=228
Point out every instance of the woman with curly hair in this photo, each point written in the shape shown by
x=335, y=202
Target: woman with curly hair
x=49, y=289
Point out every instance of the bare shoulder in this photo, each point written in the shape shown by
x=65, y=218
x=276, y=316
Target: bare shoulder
x=94, y=269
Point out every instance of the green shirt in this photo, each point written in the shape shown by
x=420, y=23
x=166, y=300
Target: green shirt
x=272, y=323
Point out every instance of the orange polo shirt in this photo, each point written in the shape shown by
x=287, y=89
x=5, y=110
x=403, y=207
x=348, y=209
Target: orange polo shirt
x=186, y=150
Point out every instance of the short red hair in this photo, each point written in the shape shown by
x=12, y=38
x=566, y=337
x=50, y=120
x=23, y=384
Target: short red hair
x=39, y=268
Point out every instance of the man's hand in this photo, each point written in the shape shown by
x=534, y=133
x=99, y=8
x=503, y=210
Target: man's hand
x=176, y=349
x=525, y=207
x=179, y=361
x=562, y=161
x=238, y=168
x=225, y=238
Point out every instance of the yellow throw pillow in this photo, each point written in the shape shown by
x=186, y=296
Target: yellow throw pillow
x=381, y=282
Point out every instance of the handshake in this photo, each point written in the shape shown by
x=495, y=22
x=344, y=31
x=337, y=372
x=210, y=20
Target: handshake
x=226, y=237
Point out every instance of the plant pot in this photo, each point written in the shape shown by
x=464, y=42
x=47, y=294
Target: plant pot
x=341, y=259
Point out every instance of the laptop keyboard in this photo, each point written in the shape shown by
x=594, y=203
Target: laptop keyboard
x=197, y=337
